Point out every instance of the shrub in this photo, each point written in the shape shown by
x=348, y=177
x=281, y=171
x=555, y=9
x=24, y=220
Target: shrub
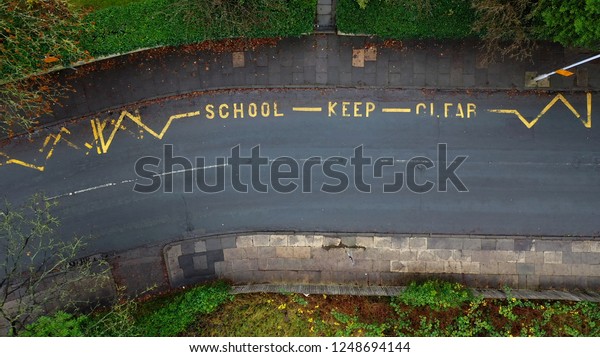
x=416, y=19
x=506, y=28
x=571, y=22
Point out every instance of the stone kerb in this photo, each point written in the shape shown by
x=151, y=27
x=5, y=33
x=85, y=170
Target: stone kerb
x=369, y=259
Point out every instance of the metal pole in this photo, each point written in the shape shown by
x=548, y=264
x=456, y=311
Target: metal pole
x=543, y=76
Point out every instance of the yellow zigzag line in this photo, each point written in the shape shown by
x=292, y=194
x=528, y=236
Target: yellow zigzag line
x=587, y=123
x=102, y=144
x=97, y=129
x=57, y=138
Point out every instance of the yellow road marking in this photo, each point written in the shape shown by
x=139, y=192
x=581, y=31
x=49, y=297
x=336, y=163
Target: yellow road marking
x=307, y=109
x=588, y=122
x=559, y=97
x=19, y=162
x=57, y=138
x=515, y=112
x=95, y=132
x=396, y=110
x=22, y=163
x=98, y=127
x=103, y=145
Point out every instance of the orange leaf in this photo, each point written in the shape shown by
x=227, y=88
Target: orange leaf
x=51, y=59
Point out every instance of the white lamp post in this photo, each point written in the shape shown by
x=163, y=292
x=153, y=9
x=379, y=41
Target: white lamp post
x=564, y=71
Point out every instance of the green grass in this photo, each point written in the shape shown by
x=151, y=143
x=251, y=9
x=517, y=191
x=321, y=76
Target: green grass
x=401, y=19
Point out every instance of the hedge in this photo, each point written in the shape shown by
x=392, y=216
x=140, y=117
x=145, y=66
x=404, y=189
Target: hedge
x=150, y=23
x=402, y=19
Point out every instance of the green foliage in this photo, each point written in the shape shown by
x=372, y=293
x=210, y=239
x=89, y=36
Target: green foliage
x=61, y=324
x=362, y=3
x=34, y=263
x=474, y=321
x=506, y=27
x=397, y=19
x=435, y=294
x=276, y=315
x=174, y=317
x=35, y=35
x=299, y=300
x=210, y=311
x=510, y=28
x=590, y=313
x=428, y=328
x=129, y=27
x=353, y=327
x=38, y=35
x=98, y=4
x=571, y=22
x=150, y=23
x=167, y=316
x=116, y=321
x=260, y=315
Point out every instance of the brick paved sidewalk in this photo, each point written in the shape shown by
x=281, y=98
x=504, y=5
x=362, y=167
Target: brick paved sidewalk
x=321, y=60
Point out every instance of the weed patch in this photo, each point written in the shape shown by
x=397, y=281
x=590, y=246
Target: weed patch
x=435, y=294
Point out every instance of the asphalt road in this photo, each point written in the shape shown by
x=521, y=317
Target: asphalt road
x=542, y=180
